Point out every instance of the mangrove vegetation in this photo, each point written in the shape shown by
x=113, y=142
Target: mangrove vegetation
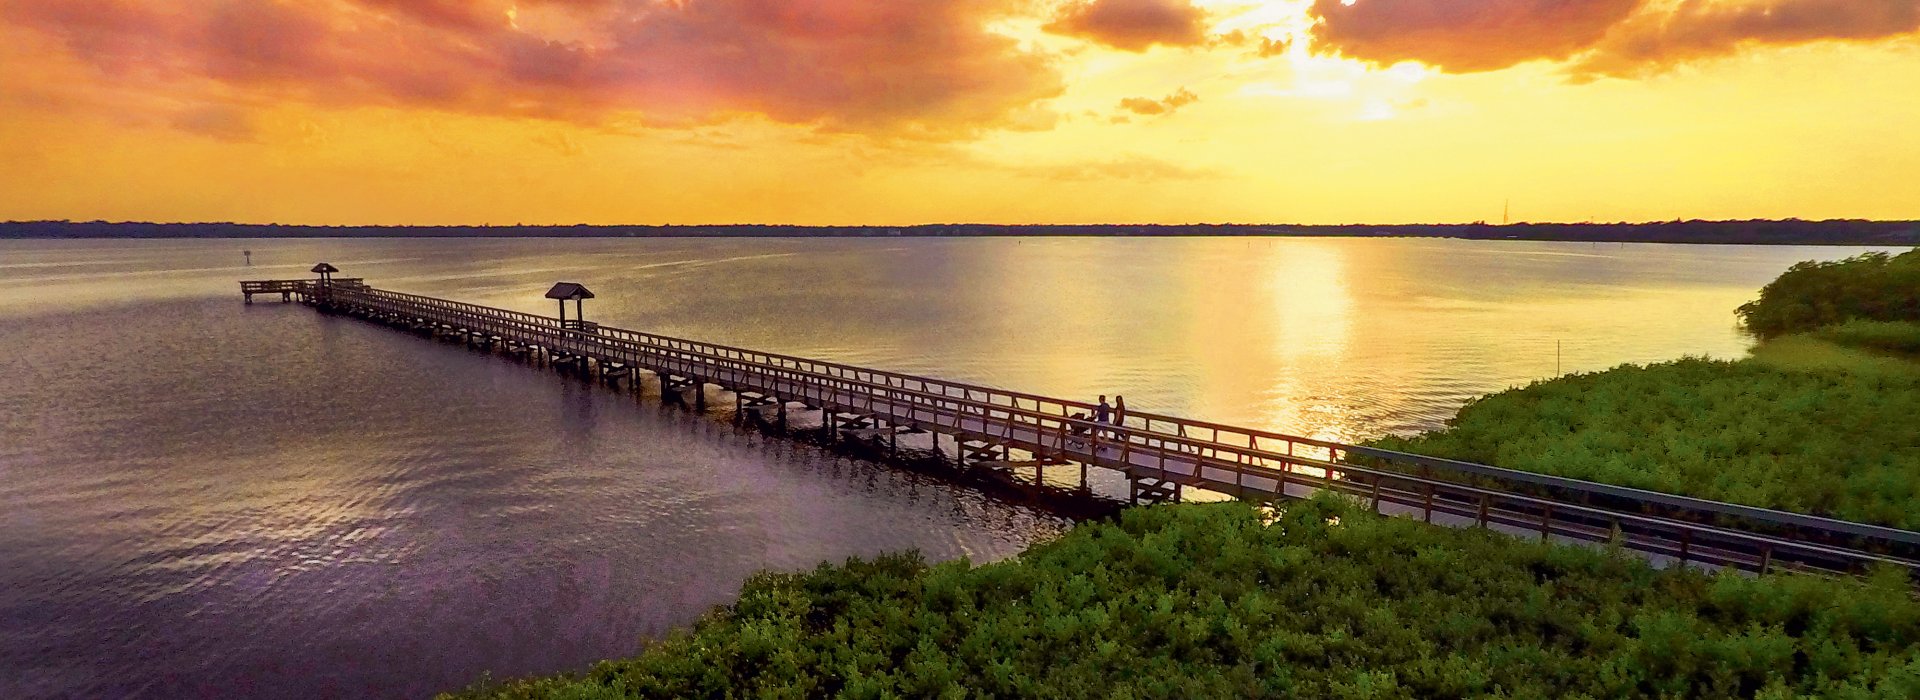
x=1322, y=600
x=1813, y=295
x=1818, y=439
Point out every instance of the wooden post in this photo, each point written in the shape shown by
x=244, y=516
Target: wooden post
x=1093, y=443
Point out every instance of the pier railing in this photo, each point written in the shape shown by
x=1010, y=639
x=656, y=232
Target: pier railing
x=1238, y=461
x=293, y=286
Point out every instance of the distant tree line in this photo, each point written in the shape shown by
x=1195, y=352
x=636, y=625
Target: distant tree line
x=1790, y=231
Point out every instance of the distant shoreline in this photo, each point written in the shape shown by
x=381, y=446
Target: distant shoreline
x=1755, y=232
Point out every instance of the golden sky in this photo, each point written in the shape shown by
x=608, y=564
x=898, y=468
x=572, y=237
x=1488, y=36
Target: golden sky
x=925, y=111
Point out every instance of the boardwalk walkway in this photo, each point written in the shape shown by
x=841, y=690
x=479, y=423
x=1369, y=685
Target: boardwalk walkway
x=1160, y=455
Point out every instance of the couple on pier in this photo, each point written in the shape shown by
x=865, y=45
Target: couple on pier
x=1104, y=414
x=1115, y=414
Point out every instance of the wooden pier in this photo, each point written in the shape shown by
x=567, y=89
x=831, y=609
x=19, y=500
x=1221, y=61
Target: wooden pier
x=1026, y=438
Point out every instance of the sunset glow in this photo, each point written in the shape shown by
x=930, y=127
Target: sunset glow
x=1015, y=111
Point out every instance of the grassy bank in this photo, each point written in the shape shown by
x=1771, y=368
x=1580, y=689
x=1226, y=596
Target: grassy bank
x=1329, y=601
x=1811, y=427
x=1811, y=353
x=1899, y=338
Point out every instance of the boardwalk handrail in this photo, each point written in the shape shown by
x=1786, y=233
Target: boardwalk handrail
x=1068, y=406
x=1704, y=505
x=1224, y=449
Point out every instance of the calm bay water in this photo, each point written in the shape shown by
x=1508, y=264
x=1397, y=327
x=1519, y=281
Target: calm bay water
x=208, y=499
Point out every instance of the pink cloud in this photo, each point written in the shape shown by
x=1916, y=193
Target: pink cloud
x=925, y=68
x=451, y=13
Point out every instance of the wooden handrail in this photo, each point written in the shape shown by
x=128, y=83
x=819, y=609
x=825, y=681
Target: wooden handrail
x=1705, y=506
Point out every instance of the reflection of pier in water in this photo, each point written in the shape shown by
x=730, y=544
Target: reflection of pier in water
x=1013, y=441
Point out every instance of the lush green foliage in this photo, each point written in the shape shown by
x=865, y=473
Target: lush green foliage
x=1329, y=601
x=1835, y=443
x=1810, y=295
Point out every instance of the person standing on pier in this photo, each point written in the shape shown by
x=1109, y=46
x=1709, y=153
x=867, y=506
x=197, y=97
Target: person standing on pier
x=1103, y=415
x=1120, y=410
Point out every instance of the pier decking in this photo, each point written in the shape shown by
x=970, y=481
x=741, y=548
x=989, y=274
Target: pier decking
x=1008, y=432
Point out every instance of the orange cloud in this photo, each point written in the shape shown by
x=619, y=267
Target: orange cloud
x=1464, y=37
x=924, y=68
x=1133, y=25
x=1651, y=41
x=1147, y=106
x=1614, y=37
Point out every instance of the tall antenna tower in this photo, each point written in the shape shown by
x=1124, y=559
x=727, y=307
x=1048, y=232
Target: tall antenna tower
x=1506, y=212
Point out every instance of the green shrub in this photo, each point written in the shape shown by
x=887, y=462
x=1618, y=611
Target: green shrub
x=1330, y=601
x=1872, y=286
